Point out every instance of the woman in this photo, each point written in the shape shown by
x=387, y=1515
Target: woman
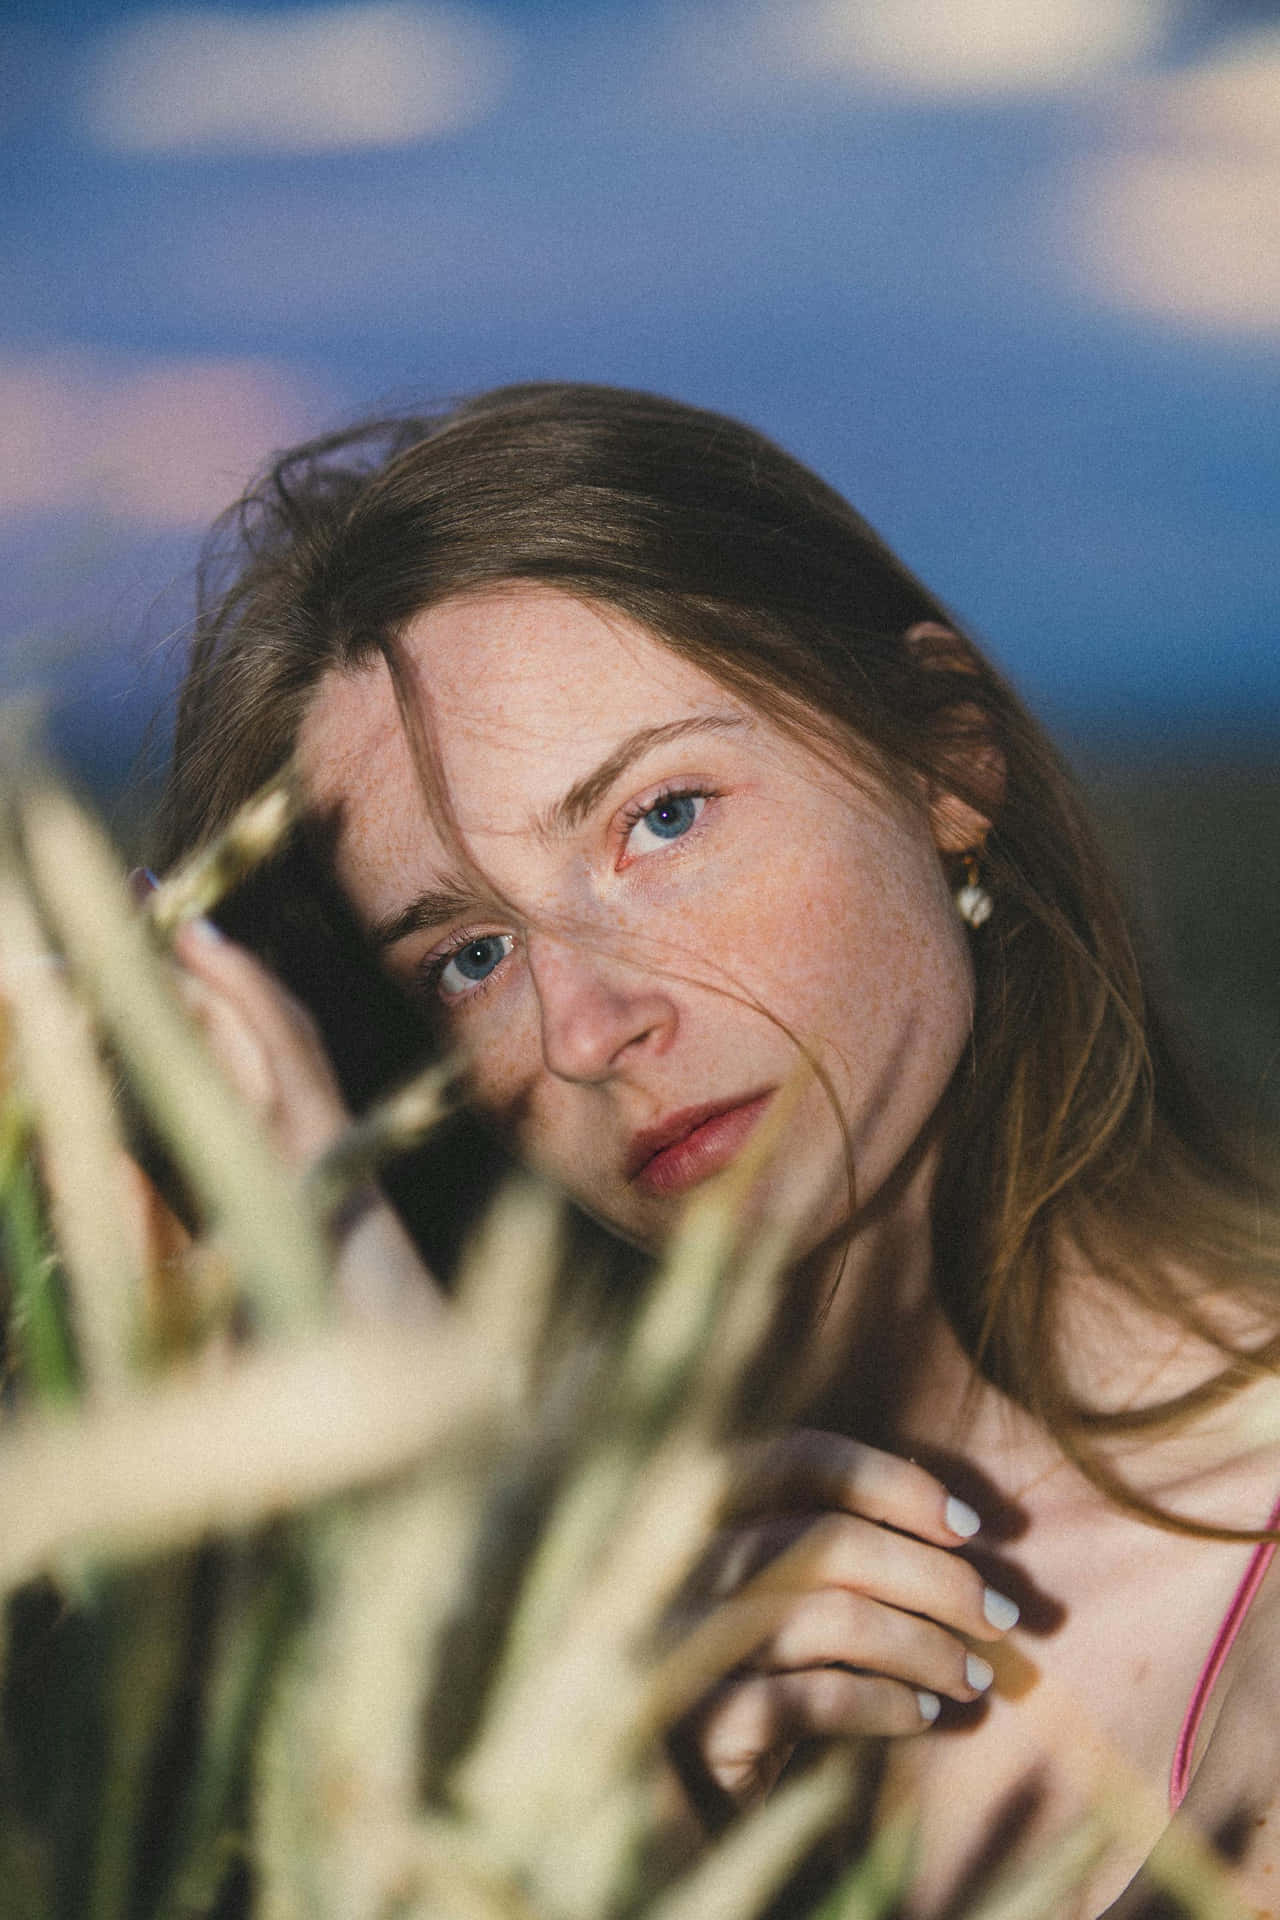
x=647, y=769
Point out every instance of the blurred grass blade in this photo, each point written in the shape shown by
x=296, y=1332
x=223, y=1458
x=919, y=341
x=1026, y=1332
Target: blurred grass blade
x=254, y=1619
x=635, y=1514
x=506, y=1287
x=1185, y=1866
x=81, y=1149
x=23, y=1874
x=145, y=1618
x=656, y=1383
x=877, y=1884
x=476, y=1649
x=1037, y=1889
x=594, y=1661
x=672, y=1333
x=587, y=1691
x=454, y=1877
x=255, y=831
x=249, y=1196
x=38, y=1322
x=394, y=1125
x=349, y=1714
x=583, y=1876
x=277, y=1429
x=583, y=1517
x=750, y=1864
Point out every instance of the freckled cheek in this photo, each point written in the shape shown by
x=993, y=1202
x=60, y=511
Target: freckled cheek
x=797, y=942
x=503, y=1050
x=850, y=964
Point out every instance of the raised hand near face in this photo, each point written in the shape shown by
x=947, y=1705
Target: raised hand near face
x=271, y=1051
x=266, y=1042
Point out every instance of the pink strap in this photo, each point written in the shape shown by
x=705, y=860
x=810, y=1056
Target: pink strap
x=1180, y=1773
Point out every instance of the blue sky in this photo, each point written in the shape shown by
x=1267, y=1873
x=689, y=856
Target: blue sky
x=1008, y=275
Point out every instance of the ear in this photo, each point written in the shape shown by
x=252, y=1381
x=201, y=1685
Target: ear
x=960, y=815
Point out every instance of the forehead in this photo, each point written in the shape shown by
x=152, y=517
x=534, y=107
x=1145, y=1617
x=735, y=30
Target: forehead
x=524, y=689
x=503, y=664
x=523, y=672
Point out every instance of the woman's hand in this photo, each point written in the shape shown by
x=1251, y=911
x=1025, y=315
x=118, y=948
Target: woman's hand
x=846, y=1556
x=265, y=1041
x=270, y=1050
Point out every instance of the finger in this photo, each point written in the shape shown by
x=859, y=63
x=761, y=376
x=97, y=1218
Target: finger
x=836, y=1627
x=810, y=1469
x=266, y=1042
x=748, y=1731
x=233, y=1043
x=230, y=970
x=842, y=1550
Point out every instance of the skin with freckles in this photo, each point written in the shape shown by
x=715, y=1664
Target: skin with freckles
x=667, y=942
x=652, y=901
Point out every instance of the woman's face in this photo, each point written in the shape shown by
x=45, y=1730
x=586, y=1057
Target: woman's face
x=688, y=892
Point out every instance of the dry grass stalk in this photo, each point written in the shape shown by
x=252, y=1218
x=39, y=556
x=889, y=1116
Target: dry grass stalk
x=349, y=1710
x=753, y=1861
x=629, y=1525
x=256, y=830
x=1043, y=1885
x=249, y=1198
x=230, y=1447
x=476, y=1527
x=506, y=1286
x=82, y=1151
x=392, y=1126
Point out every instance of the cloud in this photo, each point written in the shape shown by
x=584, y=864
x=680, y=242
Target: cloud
x=310, y=80
x=1193, y=238
x=934, y=50
x=1231, y=99
x=164, y=443
x=1183, y=223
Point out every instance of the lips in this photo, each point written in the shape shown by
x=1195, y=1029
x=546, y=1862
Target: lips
x=692, y=1144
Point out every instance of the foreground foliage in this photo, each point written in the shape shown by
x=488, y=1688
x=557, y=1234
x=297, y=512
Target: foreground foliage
x=317, y=1619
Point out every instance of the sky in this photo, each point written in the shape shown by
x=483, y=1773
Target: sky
x=1007, y=272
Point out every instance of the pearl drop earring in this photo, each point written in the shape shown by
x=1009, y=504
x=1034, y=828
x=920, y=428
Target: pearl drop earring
x=973, y=903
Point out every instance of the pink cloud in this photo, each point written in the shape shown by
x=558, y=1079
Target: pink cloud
x=164, y=443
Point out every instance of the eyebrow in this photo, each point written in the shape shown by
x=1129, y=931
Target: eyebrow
x=573, y=807
x=435, y=906
x=429, y=909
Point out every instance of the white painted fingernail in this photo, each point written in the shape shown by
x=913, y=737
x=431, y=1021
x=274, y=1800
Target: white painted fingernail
x=999, y=1609
x=207, y=930
x=930, y=1706
x=978, y=1672
x=961, y=1518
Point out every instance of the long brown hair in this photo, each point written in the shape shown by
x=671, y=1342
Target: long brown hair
x=1070, y=1121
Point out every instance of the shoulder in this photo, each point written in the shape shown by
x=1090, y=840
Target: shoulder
x=1234, y=1796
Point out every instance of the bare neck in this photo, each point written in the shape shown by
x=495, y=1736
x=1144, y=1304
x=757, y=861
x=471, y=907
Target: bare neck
x=881, y=1361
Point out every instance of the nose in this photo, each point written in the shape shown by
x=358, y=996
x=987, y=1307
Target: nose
x=595, y=1010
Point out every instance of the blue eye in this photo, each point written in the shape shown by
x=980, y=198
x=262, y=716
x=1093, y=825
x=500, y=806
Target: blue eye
x=667, y=819
x=672, y=817
x=471, y=966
